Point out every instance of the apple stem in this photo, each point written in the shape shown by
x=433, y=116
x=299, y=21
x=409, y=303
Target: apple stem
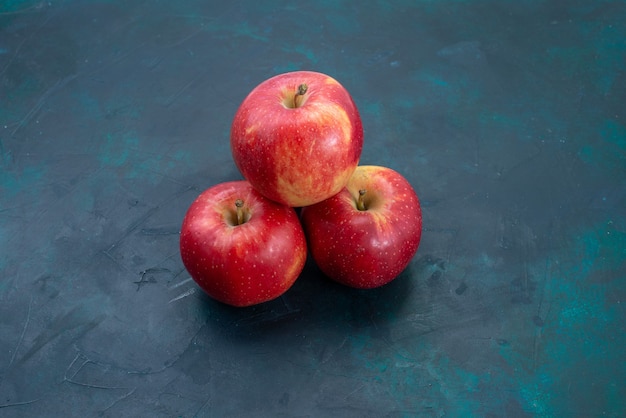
x=360, y=204
x=302, y=88
x=239, y=205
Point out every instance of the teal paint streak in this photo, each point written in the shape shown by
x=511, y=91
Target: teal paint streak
x=151, y=169
x=309, y=60
x=610, y=153
x=538, y=400
x=119, y=107
x=87, y=105
x=116, y=149
x=421, y=377
x=501, y=121
x=455, y=93
x=614, y=133
x=580, y=353
x=13, y=6
x=344, y=24
x=120, y=150
x=307, y=53
x=14, y=183
x=593, y=49
x=575, y=352
x=338, y=15
x=607, y=50
x=459, y=386
x=435, y=89
x=370, y=108
x=586, y=153
x=602, y=250
x=287, y=67
x=243, y=29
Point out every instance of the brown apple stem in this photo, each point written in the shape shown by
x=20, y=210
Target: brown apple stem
x=239, y=204
x=360, y=204
x=302, y=88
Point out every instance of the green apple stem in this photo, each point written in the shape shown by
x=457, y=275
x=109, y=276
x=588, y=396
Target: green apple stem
x=302, y=88
x=360, y=204
x=239, y=205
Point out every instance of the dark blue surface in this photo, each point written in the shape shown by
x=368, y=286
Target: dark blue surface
x=508, y=117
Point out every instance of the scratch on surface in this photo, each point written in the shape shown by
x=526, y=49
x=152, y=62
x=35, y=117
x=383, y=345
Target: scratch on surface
x=165, y=176
x=539, y=322
x=71, y=321
x=121, y=398
x=204, y=405
x=181, y=283
x=127, y=232
x=505, y=172
x=173, y=230
x=110, y=256
x=19, y=341
x=115, y=60
x=86, y=361
x=136, y=224
x=327, y=358
x=8, y=405
x=58, y=85
x=184, y=295
x=536, y=344
x=17, y=50
x=170, y=362
x=15, y=54
x=92, y=386
x=358, y=388
x=152, y=65
x=150, y=279
x=78, y=356
x=185, y=38
x=178, y=93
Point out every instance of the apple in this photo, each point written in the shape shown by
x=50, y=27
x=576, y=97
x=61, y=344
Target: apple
x=241, y=248
x=297, y=137
x=367, y=234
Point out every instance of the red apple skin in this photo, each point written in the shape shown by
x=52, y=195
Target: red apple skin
x=246, y=264
x=301, y=155
x=365, y=248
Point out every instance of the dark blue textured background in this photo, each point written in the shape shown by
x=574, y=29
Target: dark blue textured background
x=508, y=117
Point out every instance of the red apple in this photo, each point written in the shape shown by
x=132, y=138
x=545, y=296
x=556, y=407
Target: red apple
x=240, y=247
x=365, y=235
x=297, y=138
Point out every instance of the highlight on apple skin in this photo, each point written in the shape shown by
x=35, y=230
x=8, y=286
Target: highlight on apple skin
x=241, y=248
x=367, y=234
x=297, y=137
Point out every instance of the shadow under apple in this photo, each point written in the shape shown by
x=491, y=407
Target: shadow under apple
x=313, y=302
